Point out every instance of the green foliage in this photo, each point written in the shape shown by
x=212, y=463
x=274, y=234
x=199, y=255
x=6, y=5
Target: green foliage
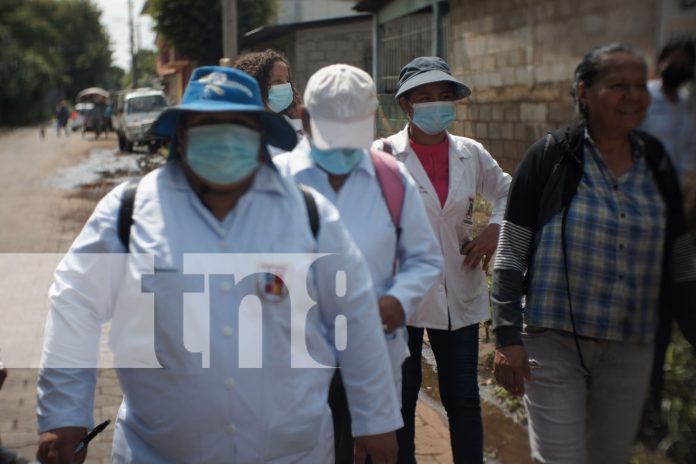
x=83, y=45
x=194, y=27
x=49, y=50
x=145, y=70
x=113, y=80
x=23, y=94
x=254, y=13
x=679, y=402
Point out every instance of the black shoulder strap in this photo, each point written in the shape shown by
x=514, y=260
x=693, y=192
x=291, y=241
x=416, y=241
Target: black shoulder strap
x=125, y=212
x=662, y=169
x=561, y=170
x=312, y=210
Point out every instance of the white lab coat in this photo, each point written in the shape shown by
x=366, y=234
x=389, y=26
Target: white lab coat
x=227, y=412
x=364, y=213
x=460, y=298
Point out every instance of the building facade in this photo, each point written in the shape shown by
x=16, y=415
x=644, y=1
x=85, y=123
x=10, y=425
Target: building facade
x=311, y=45
x=297, y=11
x=518, y=56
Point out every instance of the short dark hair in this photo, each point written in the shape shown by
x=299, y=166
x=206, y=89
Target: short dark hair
x=682, y=43
x=590, y=68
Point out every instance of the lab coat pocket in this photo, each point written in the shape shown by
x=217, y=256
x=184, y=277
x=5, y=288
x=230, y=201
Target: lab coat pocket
x=465, y=233
x=471, y=281
x=296, y=411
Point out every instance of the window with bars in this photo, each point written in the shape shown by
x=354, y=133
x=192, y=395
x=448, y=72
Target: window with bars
x=402, y=40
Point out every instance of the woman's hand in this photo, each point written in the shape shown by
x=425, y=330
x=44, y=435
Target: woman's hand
x=482, y=247
x=511, y=368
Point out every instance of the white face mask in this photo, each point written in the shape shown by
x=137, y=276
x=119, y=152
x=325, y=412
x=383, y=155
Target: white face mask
x=433, y=117
x=223, y=153
x=279, y=97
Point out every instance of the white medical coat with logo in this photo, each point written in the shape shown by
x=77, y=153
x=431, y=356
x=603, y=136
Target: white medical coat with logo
x=186, y=414
x=364, y=212
x=460, y=298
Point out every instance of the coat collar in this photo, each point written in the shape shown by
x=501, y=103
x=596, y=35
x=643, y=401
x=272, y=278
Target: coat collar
x=402, y=148
x=458, y=151
x=267, y=179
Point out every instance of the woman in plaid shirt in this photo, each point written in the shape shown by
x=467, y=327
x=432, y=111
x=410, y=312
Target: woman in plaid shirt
x=595, y=240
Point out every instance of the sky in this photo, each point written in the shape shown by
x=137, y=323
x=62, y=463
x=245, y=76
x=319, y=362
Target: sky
x=115, y=18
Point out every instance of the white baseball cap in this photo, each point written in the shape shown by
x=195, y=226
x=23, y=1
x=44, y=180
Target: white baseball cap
x=341, y=101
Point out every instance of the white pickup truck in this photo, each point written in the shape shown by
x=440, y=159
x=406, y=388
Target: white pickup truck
x=134, y=113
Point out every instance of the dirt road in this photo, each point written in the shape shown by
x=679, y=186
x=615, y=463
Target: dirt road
x=38, y=217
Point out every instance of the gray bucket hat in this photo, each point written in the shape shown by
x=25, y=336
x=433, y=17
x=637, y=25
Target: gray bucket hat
x=426, y=70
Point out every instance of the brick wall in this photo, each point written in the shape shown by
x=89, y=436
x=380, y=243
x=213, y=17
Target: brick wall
x=518, y=56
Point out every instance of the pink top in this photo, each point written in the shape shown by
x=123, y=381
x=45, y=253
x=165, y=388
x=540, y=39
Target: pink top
x=435, y=161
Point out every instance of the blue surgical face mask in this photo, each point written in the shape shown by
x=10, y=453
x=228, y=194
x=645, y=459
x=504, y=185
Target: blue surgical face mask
x=337, y=161
x=223, y=153
x=433, y=117
x=279, y=97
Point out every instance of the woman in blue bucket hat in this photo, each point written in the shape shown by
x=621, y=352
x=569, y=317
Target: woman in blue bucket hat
x=244, y=396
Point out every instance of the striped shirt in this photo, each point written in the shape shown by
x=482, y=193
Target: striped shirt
x=615, y=233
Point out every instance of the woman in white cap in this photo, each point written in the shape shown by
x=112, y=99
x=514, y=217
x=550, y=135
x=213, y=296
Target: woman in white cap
x=451, y=172
x=334, y=159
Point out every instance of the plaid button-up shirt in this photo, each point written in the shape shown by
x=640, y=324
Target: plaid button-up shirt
x=615, y=234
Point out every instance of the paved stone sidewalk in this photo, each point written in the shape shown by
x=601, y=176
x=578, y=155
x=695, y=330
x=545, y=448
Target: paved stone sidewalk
x=18, y=419
x=432, y=435
x=18, y=413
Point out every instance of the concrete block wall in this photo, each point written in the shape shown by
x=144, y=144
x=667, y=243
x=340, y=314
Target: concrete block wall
x=518, y=56
x=316, y=47
x=312, y=48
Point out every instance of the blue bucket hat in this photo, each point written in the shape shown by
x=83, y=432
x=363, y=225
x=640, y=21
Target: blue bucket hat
x=217, y=89
x=426, y=70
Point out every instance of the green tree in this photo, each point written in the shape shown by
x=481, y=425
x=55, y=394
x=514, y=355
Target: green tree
x=83, y=45
x=194, y=27
x=113, y=80
x=27, y=66
x=145, y=70
x=254, y=13
x=49, y=49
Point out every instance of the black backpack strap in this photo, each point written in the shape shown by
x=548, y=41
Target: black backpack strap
x=312, y=210
x=125, y=212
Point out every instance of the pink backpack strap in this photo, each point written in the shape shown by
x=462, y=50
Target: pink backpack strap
x=391, y=182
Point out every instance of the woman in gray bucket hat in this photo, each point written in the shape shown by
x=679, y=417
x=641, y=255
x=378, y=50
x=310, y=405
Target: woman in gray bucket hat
x=450, y=172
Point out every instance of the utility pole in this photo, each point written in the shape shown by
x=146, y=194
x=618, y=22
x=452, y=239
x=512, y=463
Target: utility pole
x=229, y=28
x=134, y=71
